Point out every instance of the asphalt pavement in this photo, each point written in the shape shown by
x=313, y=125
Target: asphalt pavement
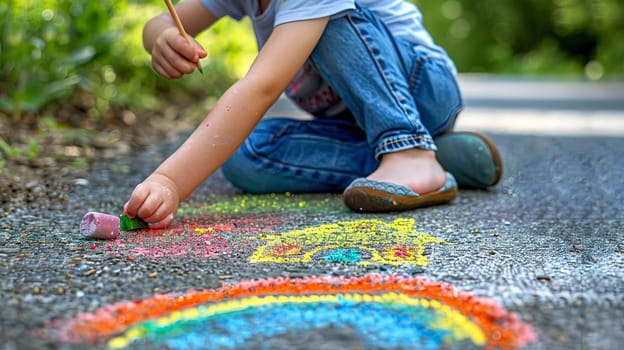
x=535, y=263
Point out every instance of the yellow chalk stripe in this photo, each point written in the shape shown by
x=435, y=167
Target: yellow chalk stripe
x=119, y=342
x=447, y=318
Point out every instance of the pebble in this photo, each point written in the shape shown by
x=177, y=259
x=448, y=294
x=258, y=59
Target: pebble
x=81, y=182
x=543, y=278
x=7, y=250
x=92, y=257
x=417, y=271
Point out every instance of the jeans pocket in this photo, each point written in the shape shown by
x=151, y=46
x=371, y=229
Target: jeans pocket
x=436, y=92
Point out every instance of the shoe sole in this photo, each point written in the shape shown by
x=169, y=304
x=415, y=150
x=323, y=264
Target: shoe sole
x=459, y=156
x=370, y=200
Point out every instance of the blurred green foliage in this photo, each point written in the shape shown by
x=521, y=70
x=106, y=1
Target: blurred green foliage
x=89, y=53
x=54, y=52
x=48, y=49
x=553, y=37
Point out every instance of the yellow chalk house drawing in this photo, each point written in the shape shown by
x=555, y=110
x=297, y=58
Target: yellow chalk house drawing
x=362, y=242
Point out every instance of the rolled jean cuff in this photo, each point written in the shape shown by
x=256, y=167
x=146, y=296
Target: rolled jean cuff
x=402, y=142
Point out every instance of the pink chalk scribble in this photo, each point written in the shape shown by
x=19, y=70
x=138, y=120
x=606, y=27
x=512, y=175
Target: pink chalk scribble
x=198, y=237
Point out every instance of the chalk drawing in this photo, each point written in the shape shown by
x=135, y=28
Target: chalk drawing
x=386, y=312
x=209, y=226
x=262, y=204
x=200, y=242
x=362, y=242
x=207, y=237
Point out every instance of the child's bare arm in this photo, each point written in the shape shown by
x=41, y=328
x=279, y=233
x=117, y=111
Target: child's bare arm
x=224, y=129
x=172, y=56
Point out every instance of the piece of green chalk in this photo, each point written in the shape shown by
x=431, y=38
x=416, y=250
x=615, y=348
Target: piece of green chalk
x=128, y=224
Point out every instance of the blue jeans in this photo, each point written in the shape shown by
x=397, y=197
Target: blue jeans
x=398, y=94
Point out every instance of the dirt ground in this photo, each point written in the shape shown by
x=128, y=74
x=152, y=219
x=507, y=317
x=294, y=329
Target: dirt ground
x=43, y=158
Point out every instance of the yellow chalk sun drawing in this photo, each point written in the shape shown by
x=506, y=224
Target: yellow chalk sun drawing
x=362, y=242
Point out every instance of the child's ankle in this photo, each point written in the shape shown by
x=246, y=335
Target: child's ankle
x=415, y=168
x=410, y=154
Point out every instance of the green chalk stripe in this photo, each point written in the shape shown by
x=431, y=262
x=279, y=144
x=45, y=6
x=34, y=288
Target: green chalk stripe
x=127, y=224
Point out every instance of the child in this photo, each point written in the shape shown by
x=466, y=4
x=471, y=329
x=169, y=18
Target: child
x=378, y=87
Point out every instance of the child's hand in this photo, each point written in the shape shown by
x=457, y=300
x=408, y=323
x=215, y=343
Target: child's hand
x=172, y=56
x=155, y=201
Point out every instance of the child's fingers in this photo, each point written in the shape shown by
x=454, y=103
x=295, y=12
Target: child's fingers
x=165, y=69
x=186, y=50
x=181, y=65
x=168, y=204
x=171, y=64
x=137, y=198
x=160, y=215
x=166, y=222
x=199, y=50
x=173, y=56
x=150, y=206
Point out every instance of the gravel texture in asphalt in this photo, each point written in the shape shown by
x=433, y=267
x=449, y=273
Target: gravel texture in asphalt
x=535, y=263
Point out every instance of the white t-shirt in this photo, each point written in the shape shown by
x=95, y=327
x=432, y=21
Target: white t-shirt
x=307, y=89
x=402, y=17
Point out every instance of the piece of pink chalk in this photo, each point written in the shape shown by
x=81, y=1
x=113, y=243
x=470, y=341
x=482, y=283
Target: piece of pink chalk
x=100, y=226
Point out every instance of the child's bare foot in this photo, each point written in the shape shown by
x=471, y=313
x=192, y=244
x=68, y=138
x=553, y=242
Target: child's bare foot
x=404, y=180
x=414, y=168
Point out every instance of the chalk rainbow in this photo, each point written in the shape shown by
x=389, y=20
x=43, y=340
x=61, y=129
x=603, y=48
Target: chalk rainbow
x=384, y=311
